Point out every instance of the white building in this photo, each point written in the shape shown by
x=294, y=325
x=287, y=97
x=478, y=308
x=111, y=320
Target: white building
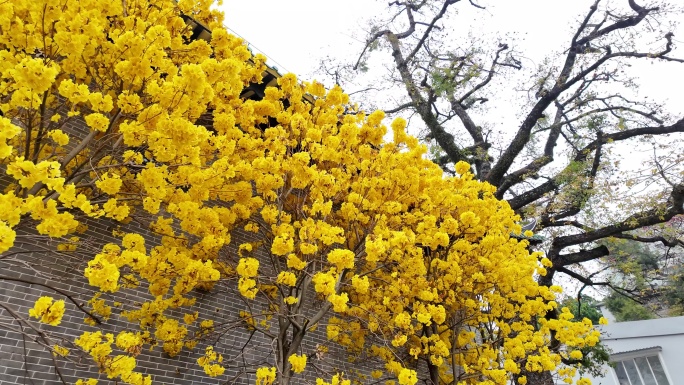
x=649, y=352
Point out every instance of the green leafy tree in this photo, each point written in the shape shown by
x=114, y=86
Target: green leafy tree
x=646, y=279
x=582, y=307
x=627, y=309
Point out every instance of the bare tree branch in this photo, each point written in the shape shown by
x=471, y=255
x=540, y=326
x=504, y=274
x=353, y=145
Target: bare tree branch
x=62, y=292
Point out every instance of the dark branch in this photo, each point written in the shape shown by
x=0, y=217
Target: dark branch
x=580, y=256
x=666, y=242
x=6, y=278
x=564, y=82
x=645, y=218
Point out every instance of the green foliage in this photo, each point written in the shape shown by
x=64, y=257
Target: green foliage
x=642, y=270
x=584, y=307
x=627, y=309
x=596, y=122
x=576, y=184
x=443, y=82
x=593, y=359
x=642, y=258
x=572, y=172
x=674, y=293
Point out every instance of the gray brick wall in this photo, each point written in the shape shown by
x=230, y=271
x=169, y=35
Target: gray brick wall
x=25, y=360
x=33, y=266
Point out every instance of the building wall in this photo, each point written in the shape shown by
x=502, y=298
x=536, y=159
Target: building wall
x=667, y=333
x=33, y=269
x=24, y=360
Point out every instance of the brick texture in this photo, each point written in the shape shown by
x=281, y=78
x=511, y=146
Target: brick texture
x=33, y=268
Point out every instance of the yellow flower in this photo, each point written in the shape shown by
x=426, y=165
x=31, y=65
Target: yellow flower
x=189, y=318
x=286, y=278
x=399, y=127
x=265, y=376
x=384, y=236
x=60, y=351
x=469, y=218
x=129, y=342
x=133, y=241
x=360, y=284
x=115, y=211
x=7, y=237
x=399, y=340
x=282, y=245
x=110, y=184
x=210, y=362
x=407, y=377
x=102, y=273
x=308, y=248
x=97, y=122
x=402, y=320
x=324, y=283
x=100, y=103
x=90, y=381
x=34, y=74
x=342, y=259
x=248, y=267
x=576, y=355
x=214, y=370
x=247, y=287
x=339, y=302
x=462, y=167
x=58, y=136
x=47, y=311
x=298, y=362
x=245, y=248
x=293, y=262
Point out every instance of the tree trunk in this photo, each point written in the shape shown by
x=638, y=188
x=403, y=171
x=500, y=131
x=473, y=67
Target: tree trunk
x=537, y=378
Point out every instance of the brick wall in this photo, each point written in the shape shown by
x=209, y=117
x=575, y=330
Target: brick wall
x=33, y=268
x=24, y=359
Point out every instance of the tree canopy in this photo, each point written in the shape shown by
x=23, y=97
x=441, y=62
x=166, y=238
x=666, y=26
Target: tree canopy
x=103, y=105
x=646, y=278
x=564, y=153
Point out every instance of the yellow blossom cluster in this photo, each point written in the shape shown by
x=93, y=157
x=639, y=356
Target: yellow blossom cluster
x=60, y=351
x=99, y=346
x=343, y=221
x=337, y=379
x=211, y=362
x=48, y=311
x=297, y=362
x=265, y=376
x=247, y=269
x=90, y=381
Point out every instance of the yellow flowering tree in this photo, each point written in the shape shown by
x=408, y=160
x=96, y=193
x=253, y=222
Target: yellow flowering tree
x=552, y=137
x=102, y=107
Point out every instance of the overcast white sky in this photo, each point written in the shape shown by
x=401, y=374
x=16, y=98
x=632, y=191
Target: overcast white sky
x=297, y=34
